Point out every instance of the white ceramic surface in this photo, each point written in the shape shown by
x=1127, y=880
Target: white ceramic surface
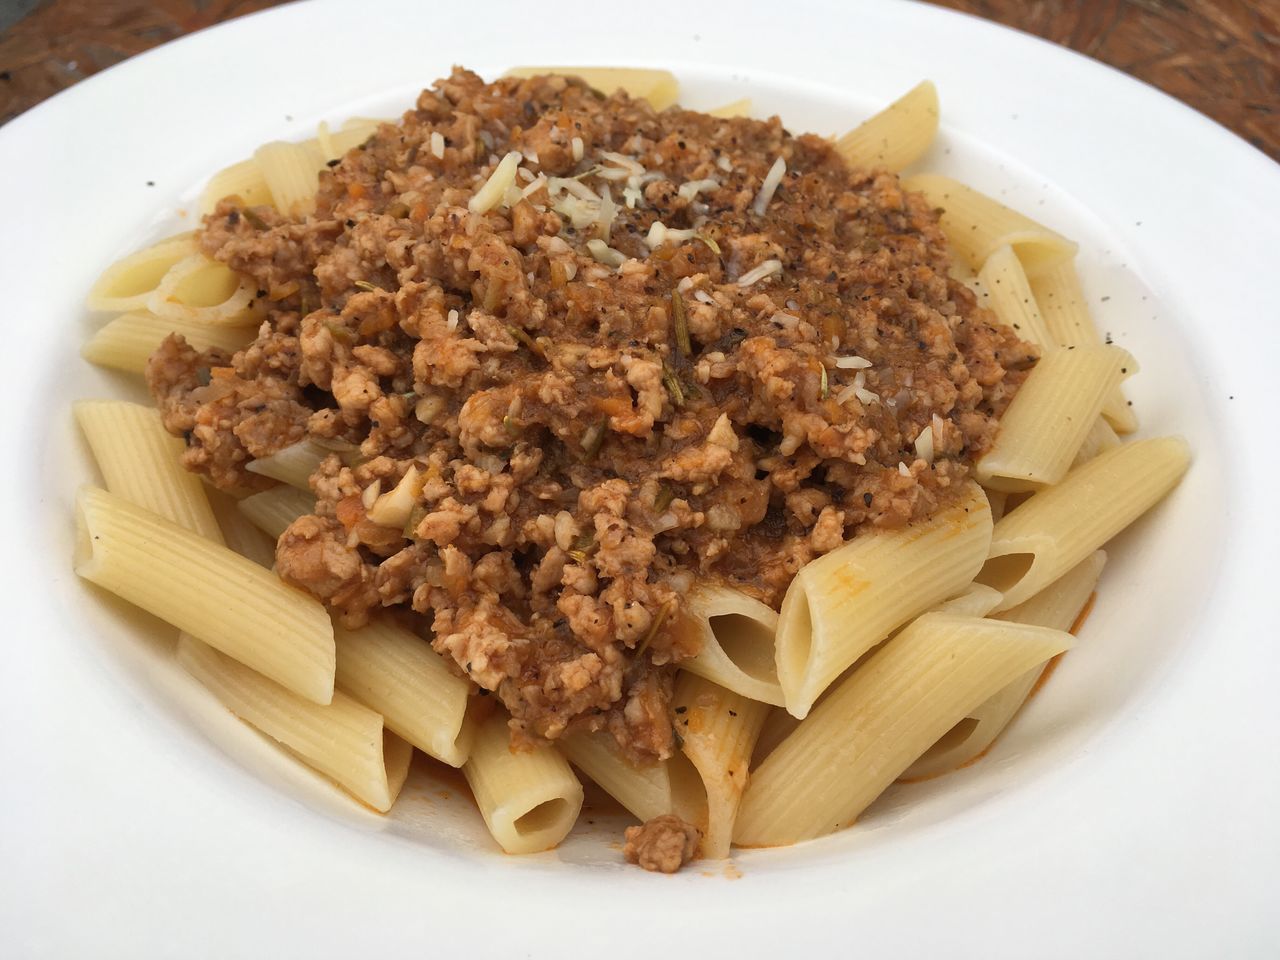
x=1130, y=812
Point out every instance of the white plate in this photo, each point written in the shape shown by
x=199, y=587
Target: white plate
x=1130, y=812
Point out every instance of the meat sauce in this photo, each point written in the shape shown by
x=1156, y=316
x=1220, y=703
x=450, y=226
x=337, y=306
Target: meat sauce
x=605, y=352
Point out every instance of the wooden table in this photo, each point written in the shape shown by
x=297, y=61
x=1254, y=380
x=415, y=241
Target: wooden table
x=1220, y=56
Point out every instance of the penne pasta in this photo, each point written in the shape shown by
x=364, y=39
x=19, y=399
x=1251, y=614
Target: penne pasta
x=1061, y=302
x=529, y=799
x=735, y=634
x=128, y=341
x=649, y=791
x=201, y=587
x=842, y=604
x=395, y=672
x=898, y=135
x=291, y=171
x=871, y=728
x=1100, y=438
x=659, y=87
x=239, y=533
x=1051, y=416
x=738, y=108
x=719, y=730
x=243, y=180
x=343, y=739
x=1008, y=295
x=1056, y=607
x=352, y=133
x=977, y=601
x=129, y=282
x=273, y=510
x=976, y=225
x=141, y=462
x=1061, y=525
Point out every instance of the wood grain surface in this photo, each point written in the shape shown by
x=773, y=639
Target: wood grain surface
x=1220, y=56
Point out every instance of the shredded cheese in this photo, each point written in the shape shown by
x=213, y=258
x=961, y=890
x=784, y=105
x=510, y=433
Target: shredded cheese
x=576, y=146
x=852, y=363
x=606, y=254
x=659, y=233
x=452, y=322
x=495, y=188
x=756, y=274
x=769, y=187
x=437, y=144
x=690, y=188
x=608, y=210
x=724, y=163
x=904, y=469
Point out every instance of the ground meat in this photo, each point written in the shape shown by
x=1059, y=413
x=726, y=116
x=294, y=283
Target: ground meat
x=587, y=438
x=663, y=844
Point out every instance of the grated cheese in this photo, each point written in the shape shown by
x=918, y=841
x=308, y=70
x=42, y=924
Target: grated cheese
x=766, y=269
x=606, y=254
x=690, y=188
x=491, y=194
x=452, y=322
x=904, y=469
x=703, y=297
x=769, y=187
x=576, y=146
x=437, y=144
x=608, y=210
x=852, y=363
x=659, y=233
x=724, y=163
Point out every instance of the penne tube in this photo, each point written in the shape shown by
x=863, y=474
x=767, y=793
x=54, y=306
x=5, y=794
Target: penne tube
x=352, y=133
x=201, y=587
x=870, y=729
x=842, y=604
x=1066, y=314
x=140, y=462
x=998, y=501
x=647, y=791
x=1100, y=438
x=395, y=672
x=200, y=290
x=1008, y=295
x=1051, y=416
x=898, y=135
x=127, y=342
x=529, y=799
x=738, y=108
x=659, y=87
x=273, y=510
x=343, y=739
x=239, y=533
x=129, y=282
x=735, y=639
x=719, y=730
x=1056, y=607
x=291, y=171
x=976, y=225
x=1061, y=525
x=243, y=180
x=977, y=601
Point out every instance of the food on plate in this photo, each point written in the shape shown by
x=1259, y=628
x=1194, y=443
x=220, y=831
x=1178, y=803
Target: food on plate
x=721, y=464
